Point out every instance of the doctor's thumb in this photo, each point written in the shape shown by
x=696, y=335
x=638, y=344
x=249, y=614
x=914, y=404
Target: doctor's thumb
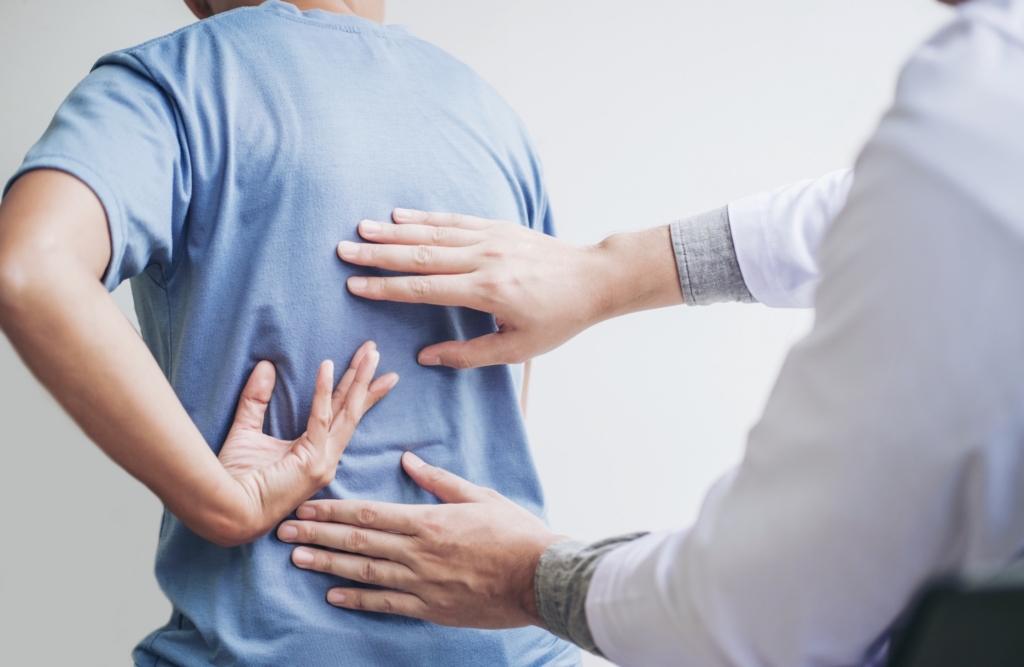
x=489, y=350
x=447, y=487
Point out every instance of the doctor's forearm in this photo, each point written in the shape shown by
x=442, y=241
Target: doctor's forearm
x=706, y=266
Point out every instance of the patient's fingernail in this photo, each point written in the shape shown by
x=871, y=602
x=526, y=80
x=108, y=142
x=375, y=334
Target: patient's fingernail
x=414, y=461
x=429, y=360
x=357, y=284
x=369, y=228
x=336, y=597
x=287, y=533
x=305, y=512
x=302, y=556
x=348, y=250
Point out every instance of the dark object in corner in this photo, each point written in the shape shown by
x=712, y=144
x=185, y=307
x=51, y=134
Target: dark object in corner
x=964, y=624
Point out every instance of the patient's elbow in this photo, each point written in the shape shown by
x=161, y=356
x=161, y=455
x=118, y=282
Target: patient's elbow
x=229, y=528
x=232, y=536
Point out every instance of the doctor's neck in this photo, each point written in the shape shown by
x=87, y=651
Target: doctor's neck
x=368, y=9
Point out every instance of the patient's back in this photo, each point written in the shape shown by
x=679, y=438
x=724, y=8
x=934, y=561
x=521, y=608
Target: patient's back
x=231, y=157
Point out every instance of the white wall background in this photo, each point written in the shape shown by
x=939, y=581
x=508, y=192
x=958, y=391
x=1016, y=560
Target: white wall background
x=643, y=111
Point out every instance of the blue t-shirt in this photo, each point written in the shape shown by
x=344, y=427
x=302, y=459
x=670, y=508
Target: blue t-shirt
x=231, y=157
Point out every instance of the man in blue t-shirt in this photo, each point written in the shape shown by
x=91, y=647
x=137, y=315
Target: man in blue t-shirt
x=216, y=168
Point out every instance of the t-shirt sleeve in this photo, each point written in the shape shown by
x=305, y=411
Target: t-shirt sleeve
x=544, y=221
x=539, y=207
x=118, y=133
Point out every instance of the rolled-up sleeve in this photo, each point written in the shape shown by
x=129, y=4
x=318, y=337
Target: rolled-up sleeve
x=762, y=248
x=706, y=260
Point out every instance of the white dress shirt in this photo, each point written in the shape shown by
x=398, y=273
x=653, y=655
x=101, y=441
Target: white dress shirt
x=891, y=450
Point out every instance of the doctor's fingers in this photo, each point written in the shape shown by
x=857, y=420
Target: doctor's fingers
x=409, y=259
x=358, y=541
x=451, y=237
x=357, y=568
x=461, y=290
x=382, y=602
x=405, y=216
x=372, y=514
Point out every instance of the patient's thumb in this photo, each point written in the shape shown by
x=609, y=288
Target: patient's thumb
x=447, y=487
x=252, y=403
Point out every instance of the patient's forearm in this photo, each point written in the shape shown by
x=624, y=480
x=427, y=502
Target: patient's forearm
x=71, y=334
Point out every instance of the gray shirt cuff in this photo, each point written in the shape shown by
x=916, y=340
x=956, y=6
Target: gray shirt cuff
x=709, y=271
x=562, y=581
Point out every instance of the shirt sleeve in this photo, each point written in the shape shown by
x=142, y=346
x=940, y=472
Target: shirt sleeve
x=561, y=582
x=889, y=451
x=706, y=260
x=118, y=133
x=777, y=235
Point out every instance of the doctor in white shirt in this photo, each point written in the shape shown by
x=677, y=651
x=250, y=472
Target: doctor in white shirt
x=891, y=451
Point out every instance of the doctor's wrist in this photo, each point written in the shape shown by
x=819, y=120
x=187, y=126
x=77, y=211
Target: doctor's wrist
x=634, y=271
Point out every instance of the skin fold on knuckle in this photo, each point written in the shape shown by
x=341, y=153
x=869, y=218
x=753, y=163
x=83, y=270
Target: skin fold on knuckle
x=421, y=287
x=421, y=256
x=367, y=516
x=439, y=235
x=431, y=533
x=491, y=288
x=325, y=511
x=460, y=361
x=323, y=562
x=308, y=533
x=370, y=572
x=356, y=540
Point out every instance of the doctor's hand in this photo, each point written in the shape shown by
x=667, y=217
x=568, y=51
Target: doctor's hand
x=467, y=563
x=541, y=291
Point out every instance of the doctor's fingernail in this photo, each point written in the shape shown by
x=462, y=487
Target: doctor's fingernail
x=287, y=533
x=429, y=360
x=369, y=228
x=357, y=284
x=306, y=512
x=336, y=597
x=403, y=215
x=348, y=250
x=302, y=557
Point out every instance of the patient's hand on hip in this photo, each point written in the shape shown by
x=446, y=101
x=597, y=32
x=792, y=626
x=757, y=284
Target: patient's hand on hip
x=271, y=470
